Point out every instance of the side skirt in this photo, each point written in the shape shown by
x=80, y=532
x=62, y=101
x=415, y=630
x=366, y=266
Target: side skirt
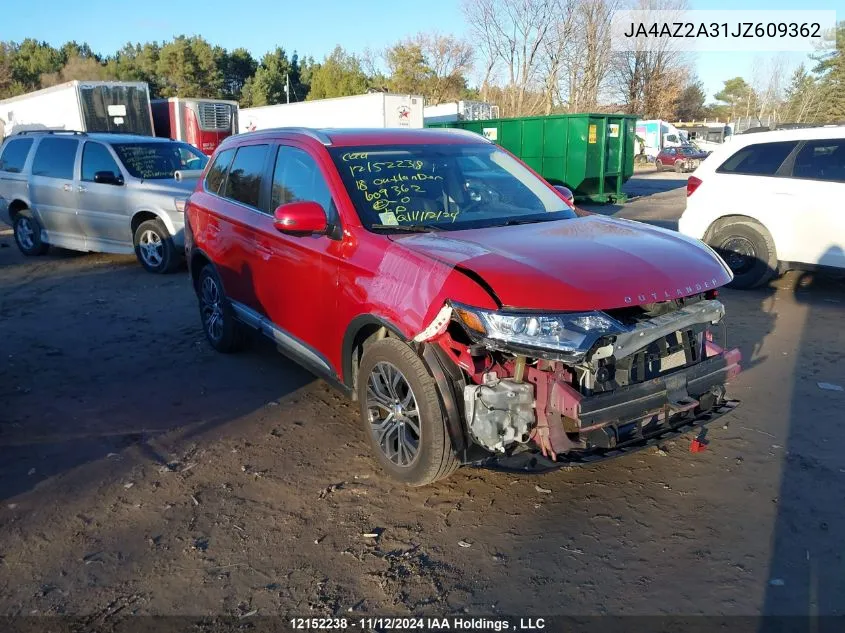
x=290, y=346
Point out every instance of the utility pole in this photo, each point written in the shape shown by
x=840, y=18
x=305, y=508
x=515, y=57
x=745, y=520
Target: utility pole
x=287, y=87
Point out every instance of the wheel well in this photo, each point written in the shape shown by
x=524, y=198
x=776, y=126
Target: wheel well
x=197, y=263
x=727, y=220
x=141, y=217
x=369, y=329
x=15, y=207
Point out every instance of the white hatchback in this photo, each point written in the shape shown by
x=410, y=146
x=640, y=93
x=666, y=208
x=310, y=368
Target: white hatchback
x=768, y=202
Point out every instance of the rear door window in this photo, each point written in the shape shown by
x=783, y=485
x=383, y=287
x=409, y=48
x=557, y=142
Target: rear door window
x=245, y=175
x=823, y=159
x=55, y=158
x=96, y=157
x=14, y=155
x=760, y=159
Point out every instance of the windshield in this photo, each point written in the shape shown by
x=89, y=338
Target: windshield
x=445, y=187
x=158, y=161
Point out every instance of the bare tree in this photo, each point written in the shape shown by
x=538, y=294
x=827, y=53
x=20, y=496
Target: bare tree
x=512, y=34
x=650, y=79
x=449, y=60
x=768, y=86
x=589, y=55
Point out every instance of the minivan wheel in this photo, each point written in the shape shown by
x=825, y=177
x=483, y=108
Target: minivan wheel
x=222, y=329
x=154, y=247
x=402, y=415
x=749, y=252
x=27, y=232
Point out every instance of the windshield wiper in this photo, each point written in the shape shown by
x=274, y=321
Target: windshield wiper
x=410, y=228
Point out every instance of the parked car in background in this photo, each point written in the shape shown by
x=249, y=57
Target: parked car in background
x=681, y=159
x=110, y=193
x=772, y=201
x=458, y=297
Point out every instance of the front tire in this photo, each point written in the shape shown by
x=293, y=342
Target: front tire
x=154, y=247
x=657, y=165
x=27, y=232
x=222, y=329
x=402, y=415
x=749, y=252
x=679, y=167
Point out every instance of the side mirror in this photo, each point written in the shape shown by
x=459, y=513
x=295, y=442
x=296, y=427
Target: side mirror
x=567, y=194
x=108, y=178
x=304, y=217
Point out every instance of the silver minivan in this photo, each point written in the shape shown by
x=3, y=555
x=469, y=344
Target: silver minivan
x=99, y=192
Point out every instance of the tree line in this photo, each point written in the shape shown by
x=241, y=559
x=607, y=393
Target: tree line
x=436, y=66
x=526, y=56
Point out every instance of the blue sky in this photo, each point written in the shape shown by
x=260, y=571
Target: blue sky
x=312, y=27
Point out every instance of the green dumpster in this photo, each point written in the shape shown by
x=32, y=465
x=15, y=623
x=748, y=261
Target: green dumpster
x=592, y=154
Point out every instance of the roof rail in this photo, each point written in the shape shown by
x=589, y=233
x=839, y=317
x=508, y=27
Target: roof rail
x=48, y=131
x=317, y=135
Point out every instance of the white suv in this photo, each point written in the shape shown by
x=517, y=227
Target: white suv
x=772, y=201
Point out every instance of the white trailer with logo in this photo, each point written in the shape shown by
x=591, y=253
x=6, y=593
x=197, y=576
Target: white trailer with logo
x=460, y=111
x=373, y=110
x=82, y=106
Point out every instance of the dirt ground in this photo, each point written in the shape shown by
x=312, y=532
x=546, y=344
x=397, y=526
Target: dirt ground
x=142, y=472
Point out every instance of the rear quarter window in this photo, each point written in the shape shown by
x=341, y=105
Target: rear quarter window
x=760, y=159
x=14, y=155
x=217, y=172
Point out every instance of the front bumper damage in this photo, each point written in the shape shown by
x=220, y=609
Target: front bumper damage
x=664, y=377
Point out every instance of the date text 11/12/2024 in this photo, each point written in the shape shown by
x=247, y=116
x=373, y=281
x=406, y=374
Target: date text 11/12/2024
x=466, y=624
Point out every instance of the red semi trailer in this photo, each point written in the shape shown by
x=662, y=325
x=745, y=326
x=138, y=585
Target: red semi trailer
x=203, y=123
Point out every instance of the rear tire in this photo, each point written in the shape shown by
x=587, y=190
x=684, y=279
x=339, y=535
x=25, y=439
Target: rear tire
x=27, y=232
x=222, y=329
x=154, y=248
x=748, y=250
x=402, y=415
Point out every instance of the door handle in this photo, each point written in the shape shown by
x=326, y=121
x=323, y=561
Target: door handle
x=81, y=189
x=67, y=187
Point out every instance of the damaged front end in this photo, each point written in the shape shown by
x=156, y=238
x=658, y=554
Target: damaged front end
x=543, y=390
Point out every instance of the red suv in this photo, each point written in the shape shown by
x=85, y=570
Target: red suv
x=471, y=311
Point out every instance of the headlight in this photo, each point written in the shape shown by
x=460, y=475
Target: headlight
x=569, y=332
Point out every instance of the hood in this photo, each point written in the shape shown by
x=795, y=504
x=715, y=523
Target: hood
x=586, y=263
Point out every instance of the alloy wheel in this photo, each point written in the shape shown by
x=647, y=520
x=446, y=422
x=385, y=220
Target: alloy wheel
x=393, y=414
x=26, y=233
x=152, y=248
x=211, y=306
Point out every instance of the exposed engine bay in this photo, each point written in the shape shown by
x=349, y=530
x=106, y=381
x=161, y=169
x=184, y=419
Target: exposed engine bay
x=660, y=365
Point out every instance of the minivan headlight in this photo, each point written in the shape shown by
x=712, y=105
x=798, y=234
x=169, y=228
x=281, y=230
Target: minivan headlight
x=565, y=332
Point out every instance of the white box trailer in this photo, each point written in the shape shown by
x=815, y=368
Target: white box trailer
x=375, y=110
x=84, y=106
